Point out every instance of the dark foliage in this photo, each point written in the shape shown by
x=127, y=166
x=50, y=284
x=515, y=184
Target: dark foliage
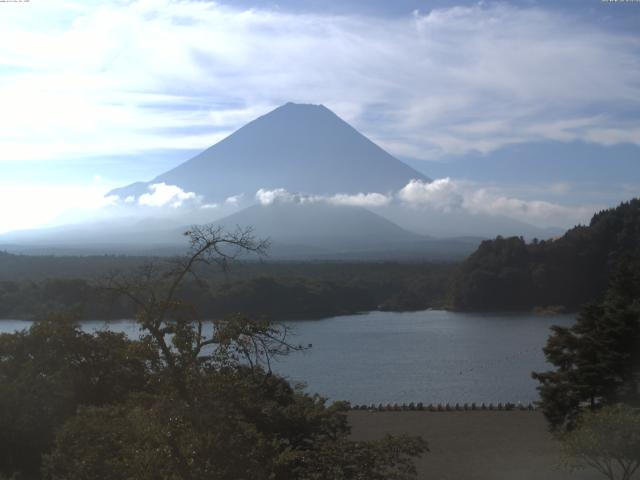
x=509, y=274
x=47, y=372
x=597, y=360
x=192, y=399
x=277, y=291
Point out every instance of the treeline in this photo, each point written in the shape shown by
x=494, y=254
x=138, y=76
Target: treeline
x=563, y=273
x=502, y=274
x=285, y=291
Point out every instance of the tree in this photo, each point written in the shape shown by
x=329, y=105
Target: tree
x=607, y=440
x=508, y=274
x=216, y=410
x=597, y=359
x=51, y=369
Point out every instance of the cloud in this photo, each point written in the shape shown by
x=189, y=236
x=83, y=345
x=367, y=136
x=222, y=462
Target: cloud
x=360, y=199
x=268, y=197
x=373, y=199
x=92, y=78
x=448, y=195
x=441, y=194
x=162, y=195
x=536, y=212
x=234, y=199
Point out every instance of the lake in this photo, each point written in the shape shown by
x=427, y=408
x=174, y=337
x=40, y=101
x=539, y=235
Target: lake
x=430, y=356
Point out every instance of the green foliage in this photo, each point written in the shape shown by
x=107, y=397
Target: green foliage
x=607, y=440
x=277, y=291
x=47, y=372
x=597, y=360
x=184, y=402
x=509, y=274
x=239, y=425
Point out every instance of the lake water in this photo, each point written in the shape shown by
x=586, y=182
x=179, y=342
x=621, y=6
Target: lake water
x=430, y=356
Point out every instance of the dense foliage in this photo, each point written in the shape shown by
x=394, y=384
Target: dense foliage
x=47, y=372
x=191, y=399
x=597, y=360
x=277, y=291
x=509, y=274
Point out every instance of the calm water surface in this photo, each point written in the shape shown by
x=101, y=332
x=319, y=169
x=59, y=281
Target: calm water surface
x=429, y=356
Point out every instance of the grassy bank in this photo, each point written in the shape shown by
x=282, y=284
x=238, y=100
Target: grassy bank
x=478, y=445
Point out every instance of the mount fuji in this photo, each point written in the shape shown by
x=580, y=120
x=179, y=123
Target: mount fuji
x=296, y=147
x=299, y=175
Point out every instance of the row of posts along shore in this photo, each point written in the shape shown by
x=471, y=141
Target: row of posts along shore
x=444, y=407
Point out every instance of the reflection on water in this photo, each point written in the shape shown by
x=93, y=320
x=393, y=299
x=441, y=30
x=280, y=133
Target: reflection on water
x=430, y=356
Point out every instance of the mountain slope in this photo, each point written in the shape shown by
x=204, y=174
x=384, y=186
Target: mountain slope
x=320, y=225
x=302, y=148
x=324, y=231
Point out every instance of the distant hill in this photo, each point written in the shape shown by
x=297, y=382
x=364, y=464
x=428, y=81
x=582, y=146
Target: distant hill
x=320, y=230
x=510, y=274
x=301, y=148
x=316, y=230
x=460, y=223
x=320, y=225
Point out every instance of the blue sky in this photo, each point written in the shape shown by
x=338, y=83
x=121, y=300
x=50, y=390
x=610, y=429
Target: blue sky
x=534, y=101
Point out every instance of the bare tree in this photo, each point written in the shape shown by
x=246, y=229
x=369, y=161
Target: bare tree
x=174, y=325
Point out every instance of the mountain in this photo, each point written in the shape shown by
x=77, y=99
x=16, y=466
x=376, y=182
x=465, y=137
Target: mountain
x=459, y=223
x=301, y=148
x=320, y=230
x=311, y=154
x=320, y=225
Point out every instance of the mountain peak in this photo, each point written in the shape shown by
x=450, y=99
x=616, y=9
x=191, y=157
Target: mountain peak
x=307, y=106
x=299, y=147
x=302, y=114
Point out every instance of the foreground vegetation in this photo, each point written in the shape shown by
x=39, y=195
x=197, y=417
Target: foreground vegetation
x=591, y=398
x=174, y=404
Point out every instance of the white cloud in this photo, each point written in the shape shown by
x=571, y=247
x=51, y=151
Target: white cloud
x=161, y=195
x=268, y=197
x=209, y=206
x=360, y=199
x=234, y=199
x=535, y=212
x=94, y=78
x=448, y=195
x=441, y=194
x=373, y=199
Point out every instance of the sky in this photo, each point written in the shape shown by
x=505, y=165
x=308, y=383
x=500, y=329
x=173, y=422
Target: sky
x=530, y=101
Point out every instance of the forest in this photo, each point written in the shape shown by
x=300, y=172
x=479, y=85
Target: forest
x=32, y=286
x=504, y=274
x=558, y=274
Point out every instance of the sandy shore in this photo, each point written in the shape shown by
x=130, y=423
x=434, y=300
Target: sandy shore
x=478, y=445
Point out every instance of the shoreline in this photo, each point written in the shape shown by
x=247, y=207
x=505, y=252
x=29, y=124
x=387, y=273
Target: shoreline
x=537, y=311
